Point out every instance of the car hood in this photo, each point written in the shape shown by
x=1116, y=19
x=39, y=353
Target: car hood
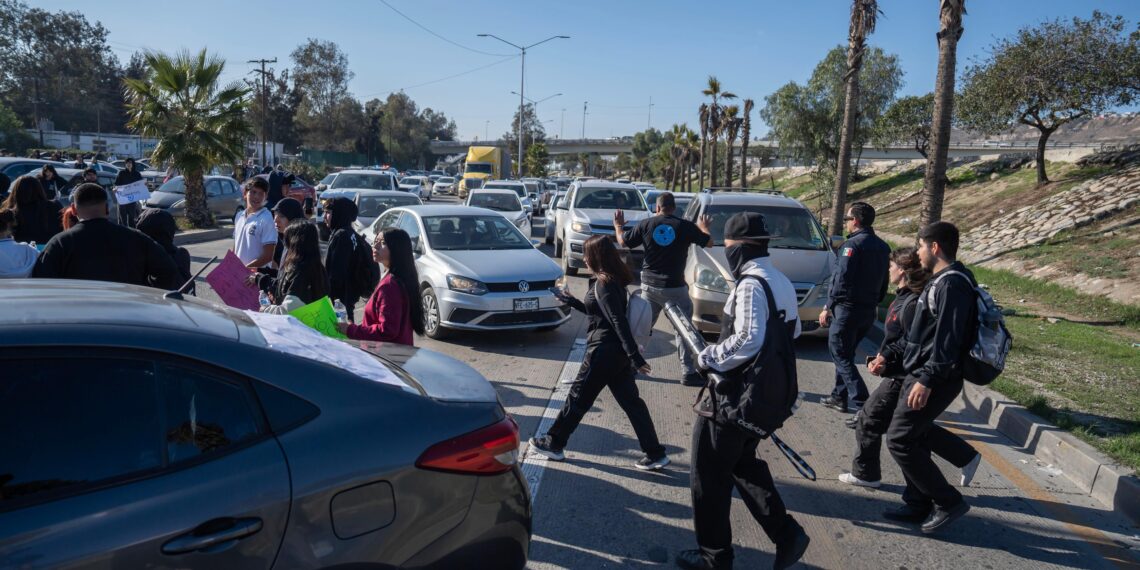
x=606, y=217
x=164, y=199
x=799, y=265
x=500, y=266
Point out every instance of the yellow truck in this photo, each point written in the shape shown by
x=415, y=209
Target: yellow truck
x=484, y=163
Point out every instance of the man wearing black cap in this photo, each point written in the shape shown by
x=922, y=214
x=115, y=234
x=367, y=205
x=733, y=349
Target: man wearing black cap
x=723, y=455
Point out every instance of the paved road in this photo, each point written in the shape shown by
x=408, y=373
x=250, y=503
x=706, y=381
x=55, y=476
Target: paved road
x=596, y=511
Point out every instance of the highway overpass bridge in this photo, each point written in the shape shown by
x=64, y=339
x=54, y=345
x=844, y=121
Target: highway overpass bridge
x=899, y=152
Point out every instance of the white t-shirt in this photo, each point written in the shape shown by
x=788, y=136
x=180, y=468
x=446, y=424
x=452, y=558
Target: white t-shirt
x=252, y=232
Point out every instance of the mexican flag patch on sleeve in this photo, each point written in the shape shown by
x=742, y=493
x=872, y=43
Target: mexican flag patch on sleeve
x=848, y=252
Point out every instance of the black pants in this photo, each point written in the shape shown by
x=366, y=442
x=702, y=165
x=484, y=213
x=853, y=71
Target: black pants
x=908, y=439
x=129, y=214
x=724, y=457
x=849, y=326
x=873, y=423
x=606, y=365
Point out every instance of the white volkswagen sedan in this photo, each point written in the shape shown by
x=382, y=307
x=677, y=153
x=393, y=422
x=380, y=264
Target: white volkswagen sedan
x=504, y=202
x=478, y=271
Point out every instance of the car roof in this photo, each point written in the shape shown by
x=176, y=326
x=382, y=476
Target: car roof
x=604, y=184
x=502, y=191
x=748, y=198
x=63, y=301
x=6, y=160
x=511, y=183
x=365, y=171
x=370, y=192
x=415, y=176
x=447, y=210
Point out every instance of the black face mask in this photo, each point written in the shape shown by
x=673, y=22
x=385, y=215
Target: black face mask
x=738, y=255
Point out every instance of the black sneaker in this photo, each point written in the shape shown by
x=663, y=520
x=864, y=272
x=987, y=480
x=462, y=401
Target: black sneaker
x=907, y=514
x=940, y=518
x=693, y=379
x=835, y=404
x=647, y=464
x=695, y=560
x=543, y=446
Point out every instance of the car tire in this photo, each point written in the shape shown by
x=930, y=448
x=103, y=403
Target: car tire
x=569, y=270
x=432, y=315
x=557, y=248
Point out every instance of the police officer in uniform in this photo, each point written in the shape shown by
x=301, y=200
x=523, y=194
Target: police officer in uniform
x=858, y=285
x=725, y=456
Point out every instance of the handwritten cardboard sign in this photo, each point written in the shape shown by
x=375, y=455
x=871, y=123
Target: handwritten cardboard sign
x=228, y=281
x=320, y=315
x=131, y=193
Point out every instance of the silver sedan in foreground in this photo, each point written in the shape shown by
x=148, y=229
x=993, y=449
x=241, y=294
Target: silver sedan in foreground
x=478, y=271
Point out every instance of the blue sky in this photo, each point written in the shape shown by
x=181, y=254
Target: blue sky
x=621, y=52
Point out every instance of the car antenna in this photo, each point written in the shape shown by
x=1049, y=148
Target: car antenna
x=177, y=293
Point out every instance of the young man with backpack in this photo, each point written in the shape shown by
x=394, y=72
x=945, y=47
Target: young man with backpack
x=938, y=343
x=352, y=272
x=755, y=353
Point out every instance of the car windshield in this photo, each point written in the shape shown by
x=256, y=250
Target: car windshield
x=497, y=202
x=174, y=186
x=363, y=181
x=445, y=180
x=469, y=232
x=682, y=202
x=411, y=181
x=480, y=167
x=516, y=188
x=328, y=179
x=794, y=228
x=373, y=206
x=609, y=199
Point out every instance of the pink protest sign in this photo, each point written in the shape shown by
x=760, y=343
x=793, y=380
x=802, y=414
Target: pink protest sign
x=228, y=281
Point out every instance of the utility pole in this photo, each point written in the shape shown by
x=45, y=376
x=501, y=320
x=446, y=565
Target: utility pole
x=649, y=123
x=264, y=101
x=584, y=104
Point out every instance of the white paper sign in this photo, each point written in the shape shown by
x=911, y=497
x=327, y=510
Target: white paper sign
x=131, y=193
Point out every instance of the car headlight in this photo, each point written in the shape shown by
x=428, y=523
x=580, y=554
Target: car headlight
x=466, y=285
x=581, y=227
x=178, y=204
x=711, y=280
x=822, y=290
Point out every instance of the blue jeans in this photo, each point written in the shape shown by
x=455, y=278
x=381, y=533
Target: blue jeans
x=849, y=326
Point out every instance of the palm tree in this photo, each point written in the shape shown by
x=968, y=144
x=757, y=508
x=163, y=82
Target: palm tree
x=732, y=123
x=950, y=14
x=745, y=134
x=704, y=118
x=864, y=14
x=197, y=124
x=693, y=144
x=677, y=152
x=714, y=90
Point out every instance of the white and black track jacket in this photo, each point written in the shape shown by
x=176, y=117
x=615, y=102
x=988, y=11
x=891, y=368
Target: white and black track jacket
x=748, y=307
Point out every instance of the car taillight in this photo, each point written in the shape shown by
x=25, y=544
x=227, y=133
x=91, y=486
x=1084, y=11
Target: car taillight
x=485, y=451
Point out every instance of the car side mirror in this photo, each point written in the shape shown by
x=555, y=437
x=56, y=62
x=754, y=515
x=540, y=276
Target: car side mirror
x=417, y=249
x=837, y=241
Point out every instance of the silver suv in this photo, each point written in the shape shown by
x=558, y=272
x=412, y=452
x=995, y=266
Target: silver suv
x=801, y=250
x=588, y=209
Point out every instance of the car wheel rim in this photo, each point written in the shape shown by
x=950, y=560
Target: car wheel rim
x=431, y=309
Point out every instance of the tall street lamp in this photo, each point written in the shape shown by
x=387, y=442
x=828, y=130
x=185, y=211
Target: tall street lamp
x=522, y=82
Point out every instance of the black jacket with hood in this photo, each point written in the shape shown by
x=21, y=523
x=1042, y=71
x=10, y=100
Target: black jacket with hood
x=941, y=332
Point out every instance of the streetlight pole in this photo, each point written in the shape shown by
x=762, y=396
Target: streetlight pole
x=562, y=127
x=649, y=123
x=522, y=84
x=584, y=104
x=535, y=103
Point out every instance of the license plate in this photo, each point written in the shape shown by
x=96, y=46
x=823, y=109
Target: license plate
x=526, y=304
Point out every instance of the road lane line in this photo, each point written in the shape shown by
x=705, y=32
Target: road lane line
x=534, y=464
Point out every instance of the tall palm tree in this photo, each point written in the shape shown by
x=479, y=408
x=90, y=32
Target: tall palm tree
x=693, y=144
x=950, y=14
x=198, y=125
x=714, y=91
x=704, y=118
x=677, y=152
x=744, y=136
x=864, y=14
x=732, y=123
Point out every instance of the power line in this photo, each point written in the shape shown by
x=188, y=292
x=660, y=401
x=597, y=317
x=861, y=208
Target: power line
x=469, y=71
x=424, y=28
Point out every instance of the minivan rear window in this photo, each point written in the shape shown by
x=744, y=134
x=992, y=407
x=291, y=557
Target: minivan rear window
x=793, y=228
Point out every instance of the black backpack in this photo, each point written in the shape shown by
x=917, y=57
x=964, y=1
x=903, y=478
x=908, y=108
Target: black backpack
x=759, y=396
x=364, y=270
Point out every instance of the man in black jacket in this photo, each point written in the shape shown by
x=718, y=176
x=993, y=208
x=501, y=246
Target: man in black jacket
x=128, y=213
x=939, y=337
x=858, y=285
x=99, y=250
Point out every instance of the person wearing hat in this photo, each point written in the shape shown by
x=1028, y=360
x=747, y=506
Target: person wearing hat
x=724, y=456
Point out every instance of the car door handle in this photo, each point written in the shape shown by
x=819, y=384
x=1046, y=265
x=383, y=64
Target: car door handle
x=205, y=536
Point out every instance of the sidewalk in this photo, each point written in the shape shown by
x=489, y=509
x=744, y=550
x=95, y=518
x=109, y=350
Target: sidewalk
x=187, y=237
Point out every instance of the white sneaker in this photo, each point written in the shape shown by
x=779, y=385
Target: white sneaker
x=970, y=470
x=853, y=480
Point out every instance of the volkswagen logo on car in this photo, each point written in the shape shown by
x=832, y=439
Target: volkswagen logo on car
x=524, y=286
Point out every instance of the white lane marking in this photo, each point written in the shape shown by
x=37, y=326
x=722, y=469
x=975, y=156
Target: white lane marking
x=534, y=464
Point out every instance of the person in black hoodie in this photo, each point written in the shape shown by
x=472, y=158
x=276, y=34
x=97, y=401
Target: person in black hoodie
x=939, y=338
x=53, y=185
x=302, y=275
x=871, y=422
x=160, y=226
x=128, y=213
x=339, y=215
x=37, y=218
x=612, y=356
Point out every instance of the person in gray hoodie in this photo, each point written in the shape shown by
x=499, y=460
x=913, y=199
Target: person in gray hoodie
x=16, y=259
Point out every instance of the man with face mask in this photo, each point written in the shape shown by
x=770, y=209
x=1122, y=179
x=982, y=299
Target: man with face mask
x=724, y=456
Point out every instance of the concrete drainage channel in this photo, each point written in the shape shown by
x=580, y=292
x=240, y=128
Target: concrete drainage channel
x=1114, y=485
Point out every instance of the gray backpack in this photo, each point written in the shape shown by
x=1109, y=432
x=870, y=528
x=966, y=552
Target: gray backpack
x=992, y=342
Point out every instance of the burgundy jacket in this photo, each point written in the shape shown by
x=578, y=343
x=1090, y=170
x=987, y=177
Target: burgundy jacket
x=387, y=317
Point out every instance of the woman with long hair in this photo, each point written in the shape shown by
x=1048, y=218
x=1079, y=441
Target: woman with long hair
x=302, y=275
x=393, y=311
x=906, y=273
x=612, y=357
x=52, y=184
x=37, y=218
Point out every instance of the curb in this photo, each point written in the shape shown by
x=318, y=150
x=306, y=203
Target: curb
x=1105, y=480
x=198, y=236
